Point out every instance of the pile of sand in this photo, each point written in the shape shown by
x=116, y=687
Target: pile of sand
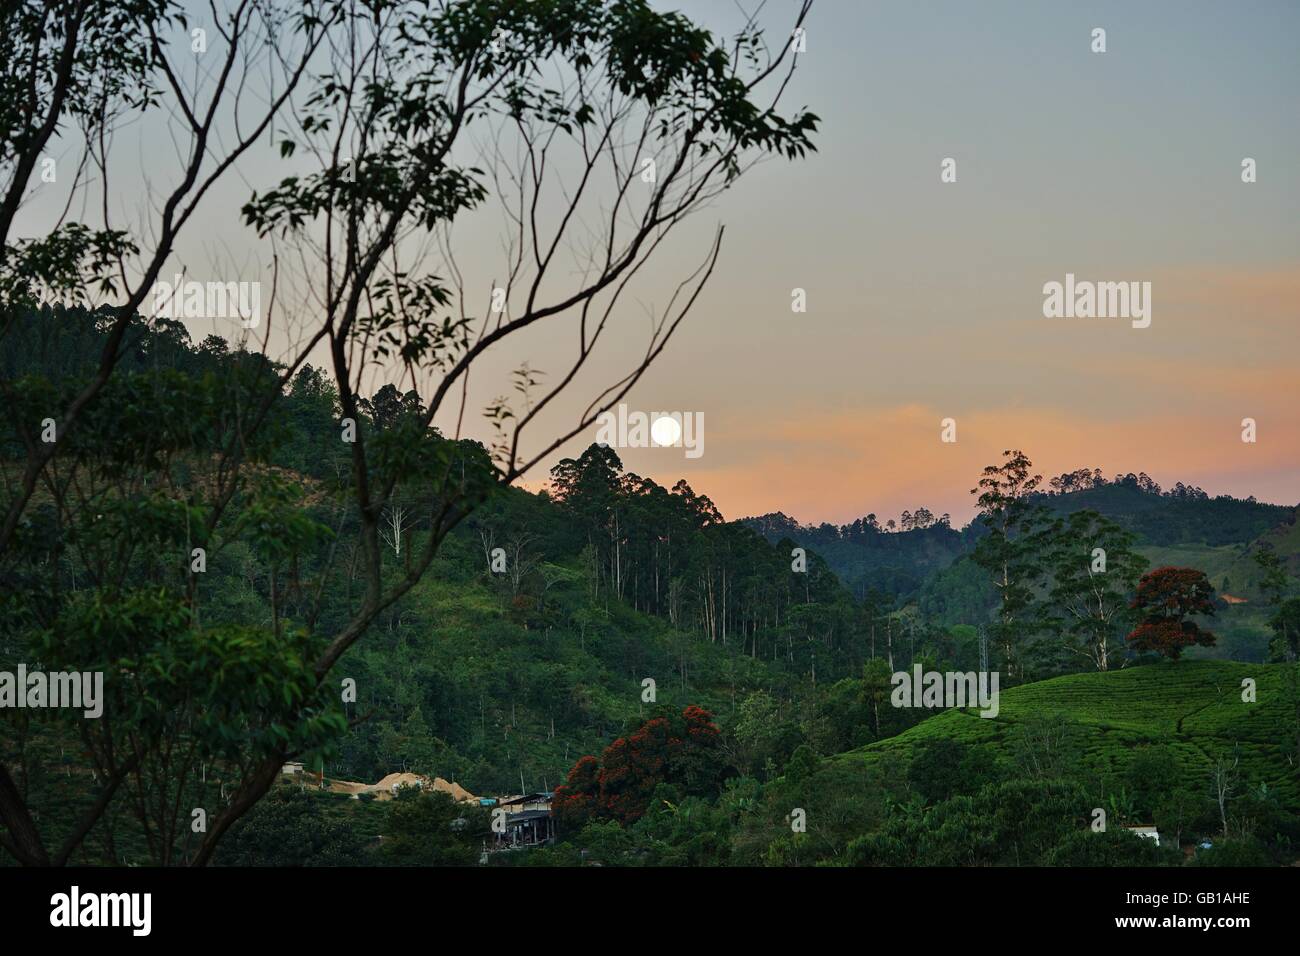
x=395, y=780
x=458, y=793
x=385, y=788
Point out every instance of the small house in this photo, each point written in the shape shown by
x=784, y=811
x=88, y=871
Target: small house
x=528, y=820
x=1149, y=833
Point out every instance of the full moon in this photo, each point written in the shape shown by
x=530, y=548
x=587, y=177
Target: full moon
x=665, y=431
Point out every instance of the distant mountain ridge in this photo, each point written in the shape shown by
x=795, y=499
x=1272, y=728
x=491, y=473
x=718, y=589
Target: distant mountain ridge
x=1172, y=518
x=865, y=554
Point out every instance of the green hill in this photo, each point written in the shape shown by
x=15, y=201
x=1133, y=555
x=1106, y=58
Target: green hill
x=1243, y=573
x=1186, y=527
x=1193, y=707
x=1171, y=518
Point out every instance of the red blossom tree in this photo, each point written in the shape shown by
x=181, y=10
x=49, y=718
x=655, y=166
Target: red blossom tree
x=577, y=799
x=678, y=749
x=1166, y=598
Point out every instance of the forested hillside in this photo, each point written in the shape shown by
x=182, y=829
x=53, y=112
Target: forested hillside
x=894, y=558
x=497, y=679
x=609, y=625
x=901, y=557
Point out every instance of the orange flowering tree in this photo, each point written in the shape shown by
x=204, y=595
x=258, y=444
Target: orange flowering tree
x=680, y=749
x=1166, y=598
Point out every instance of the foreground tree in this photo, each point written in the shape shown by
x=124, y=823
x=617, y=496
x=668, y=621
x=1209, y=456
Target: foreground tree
x=1166, y=599
x=1010, y=552
x=652, y=119
x=1094, y=572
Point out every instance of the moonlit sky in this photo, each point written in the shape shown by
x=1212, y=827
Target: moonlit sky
x=925, y=299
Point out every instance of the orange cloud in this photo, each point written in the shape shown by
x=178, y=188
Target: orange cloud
x=838, y=467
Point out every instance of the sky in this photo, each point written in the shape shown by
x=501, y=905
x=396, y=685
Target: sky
x=925, y=298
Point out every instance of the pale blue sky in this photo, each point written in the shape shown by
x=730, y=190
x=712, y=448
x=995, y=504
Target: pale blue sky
x=925, y=298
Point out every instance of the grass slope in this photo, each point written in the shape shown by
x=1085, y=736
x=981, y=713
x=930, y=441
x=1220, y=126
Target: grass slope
x=1194, y=707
